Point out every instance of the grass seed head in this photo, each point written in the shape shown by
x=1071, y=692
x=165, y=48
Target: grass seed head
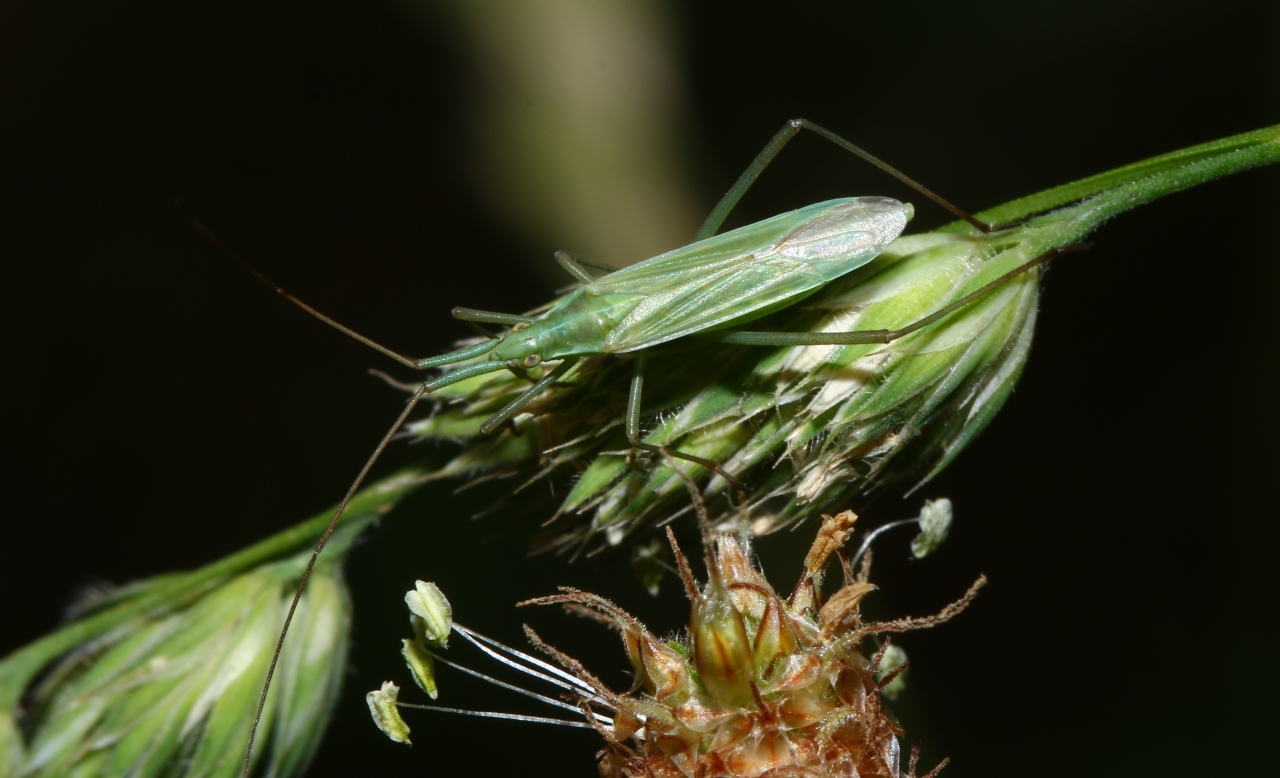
x=808, y=427
x=180, y=684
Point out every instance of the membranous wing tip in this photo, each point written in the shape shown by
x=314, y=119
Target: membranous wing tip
x=853, y=227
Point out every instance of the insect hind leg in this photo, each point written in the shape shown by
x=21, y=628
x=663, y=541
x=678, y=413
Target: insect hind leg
x=782, y=138
x=633, y=428
x=748, y=338
x=576, y=264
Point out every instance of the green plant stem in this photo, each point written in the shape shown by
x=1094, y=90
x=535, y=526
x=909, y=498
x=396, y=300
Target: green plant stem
x=1126, y=187
x=173, y=590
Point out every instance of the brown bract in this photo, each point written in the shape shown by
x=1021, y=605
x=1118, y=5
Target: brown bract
x=835, y=530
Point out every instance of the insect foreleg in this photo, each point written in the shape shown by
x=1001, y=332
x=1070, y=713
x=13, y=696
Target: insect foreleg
x=461, y=354
x=489, y=317
x=575, y=264
x=513, y=407
x=745, y=338
x=633, y=427
x=463, y=373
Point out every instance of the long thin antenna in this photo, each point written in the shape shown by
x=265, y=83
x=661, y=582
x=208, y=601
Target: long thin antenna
x=315, y=554
x=286, y=294
x=413, y=401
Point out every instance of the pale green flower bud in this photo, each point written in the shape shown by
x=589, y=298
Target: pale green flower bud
x=721, y=648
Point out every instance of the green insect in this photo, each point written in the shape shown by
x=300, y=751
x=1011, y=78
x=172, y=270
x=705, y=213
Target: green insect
x=703, y=289
x=716, y=282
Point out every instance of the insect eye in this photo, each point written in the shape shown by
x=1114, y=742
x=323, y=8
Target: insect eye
x=523, y=325
x=533, y=360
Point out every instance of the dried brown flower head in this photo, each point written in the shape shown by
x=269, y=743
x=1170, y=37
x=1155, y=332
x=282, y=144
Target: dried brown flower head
x=763, y=685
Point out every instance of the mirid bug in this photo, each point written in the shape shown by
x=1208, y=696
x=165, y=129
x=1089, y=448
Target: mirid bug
x=715, y=283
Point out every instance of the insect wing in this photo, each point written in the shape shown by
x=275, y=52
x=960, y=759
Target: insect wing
x=730, y=294
x=746, y=273
x=678, y=266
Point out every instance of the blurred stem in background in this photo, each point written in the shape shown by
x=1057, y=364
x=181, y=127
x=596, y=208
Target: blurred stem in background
x=578, y=111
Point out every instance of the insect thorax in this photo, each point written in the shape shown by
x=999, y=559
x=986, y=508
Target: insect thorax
x=578, y=325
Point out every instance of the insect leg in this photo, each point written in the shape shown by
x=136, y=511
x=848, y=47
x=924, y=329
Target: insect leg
x=513, y=407
x=463, y=373
x=460, y=355
x=490, y=317
x=633, y=427
x=903, y=177
x=575, y=264
x=775, y=146
x=744, y=338
x=315, y=555
x=744, y=182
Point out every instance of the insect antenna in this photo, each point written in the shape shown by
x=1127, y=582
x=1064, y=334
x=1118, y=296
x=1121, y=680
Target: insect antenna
x=420, y=392
x=311, y=563
x=286, y=294
x=490, y=317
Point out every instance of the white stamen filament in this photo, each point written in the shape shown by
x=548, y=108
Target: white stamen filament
x=510, y=686
x=574, y=683
x=494, y=715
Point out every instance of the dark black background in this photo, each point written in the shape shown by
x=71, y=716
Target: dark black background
x=162, y=409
